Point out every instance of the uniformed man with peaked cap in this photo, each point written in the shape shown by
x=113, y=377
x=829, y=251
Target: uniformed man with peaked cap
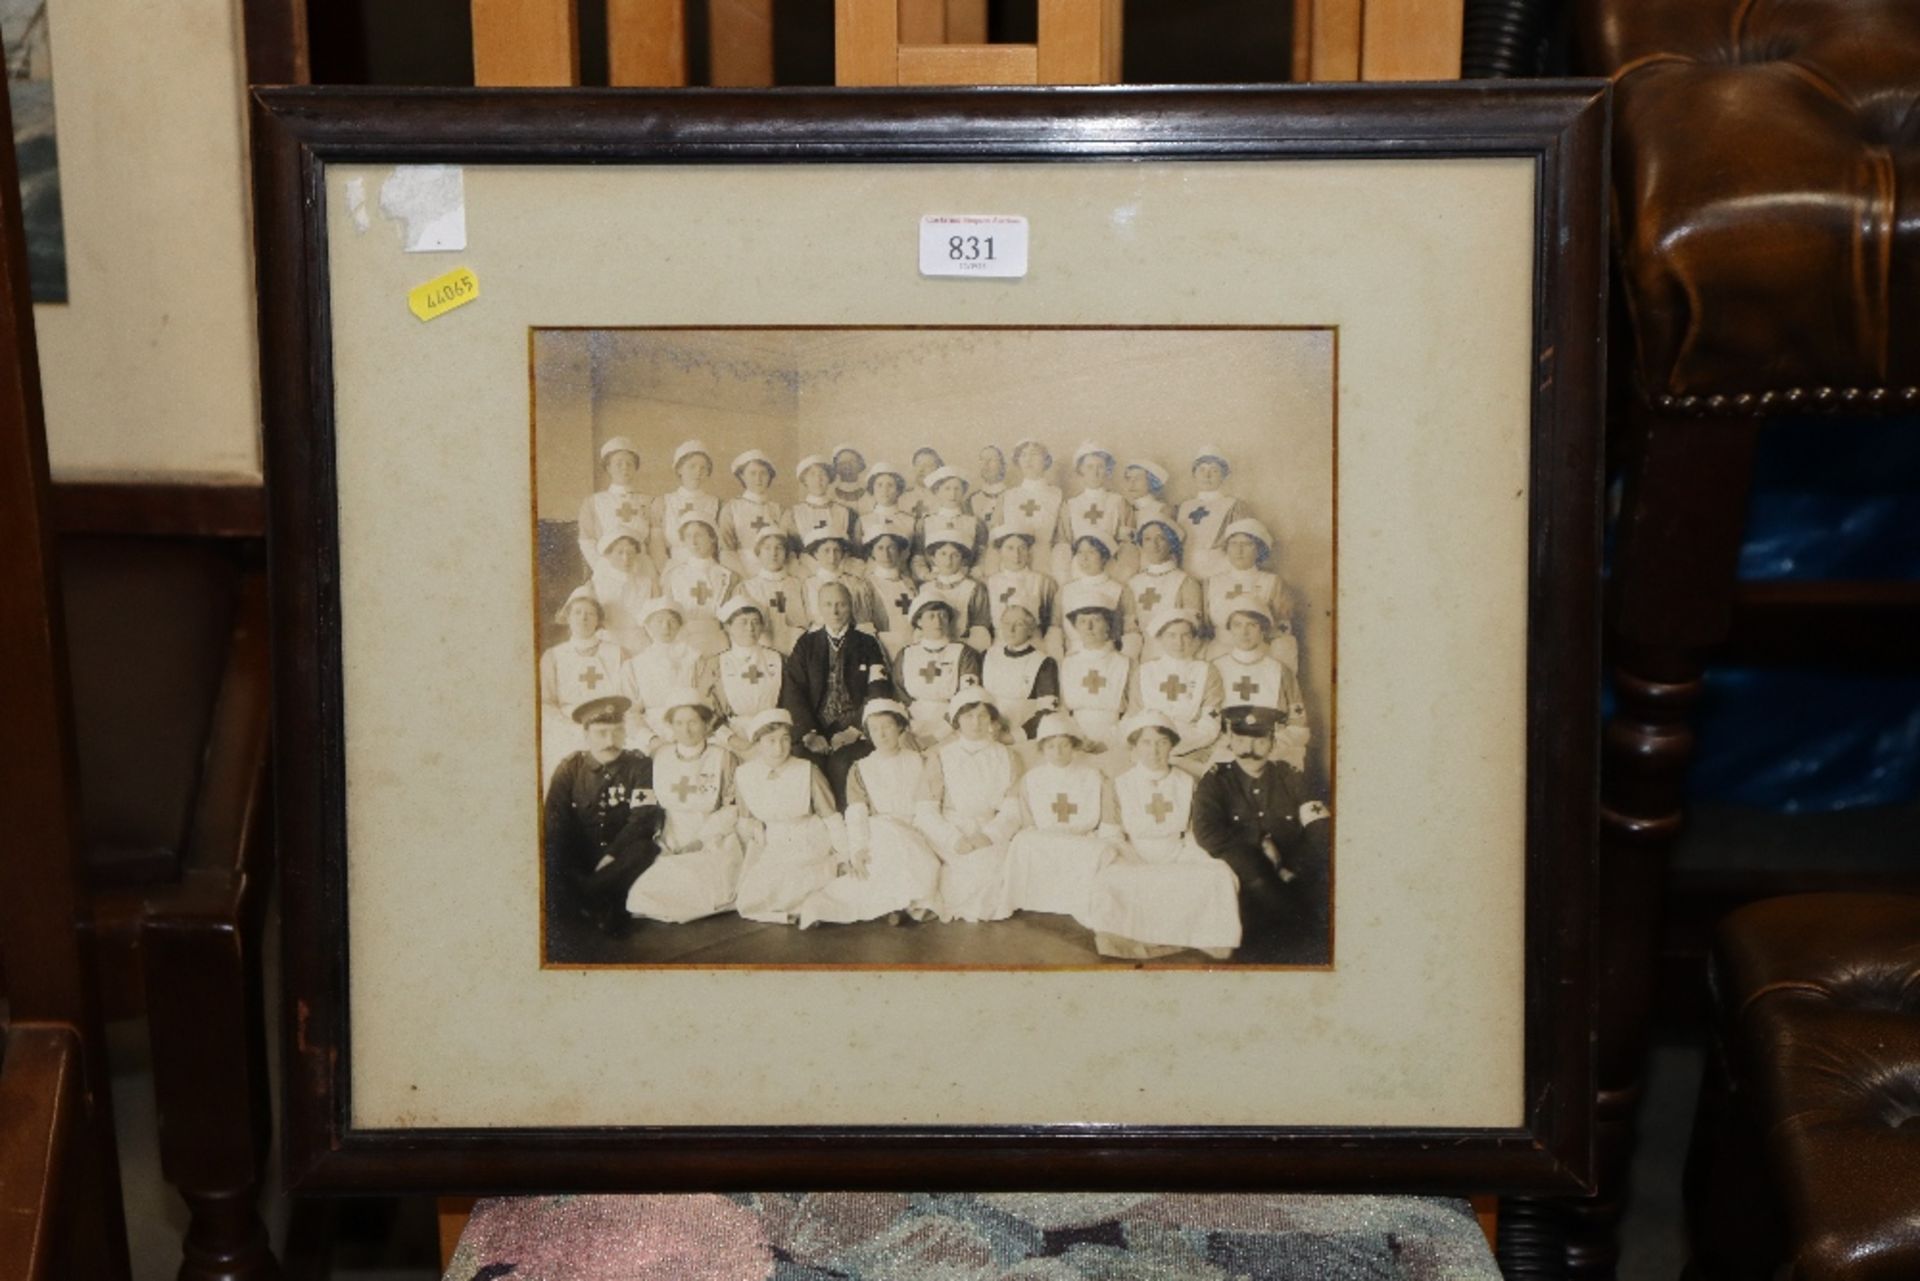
x=1258, y=816
x=600, y=821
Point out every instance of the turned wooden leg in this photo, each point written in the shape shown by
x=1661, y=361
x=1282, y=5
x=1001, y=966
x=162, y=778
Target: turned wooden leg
x=200, y=946
x=1676, y=552
x=210, y=1087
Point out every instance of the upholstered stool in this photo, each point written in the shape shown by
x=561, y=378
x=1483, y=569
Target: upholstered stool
x=1807, y=1142
x=1767, y=225
x=960, y=1236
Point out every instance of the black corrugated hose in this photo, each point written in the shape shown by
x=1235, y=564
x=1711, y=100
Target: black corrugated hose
x=1506, y=38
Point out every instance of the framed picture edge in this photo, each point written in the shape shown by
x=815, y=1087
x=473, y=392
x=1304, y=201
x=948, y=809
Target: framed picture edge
x=1561, y=126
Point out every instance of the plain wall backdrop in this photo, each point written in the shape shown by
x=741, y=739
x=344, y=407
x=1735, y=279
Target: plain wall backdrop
x=1264, y=397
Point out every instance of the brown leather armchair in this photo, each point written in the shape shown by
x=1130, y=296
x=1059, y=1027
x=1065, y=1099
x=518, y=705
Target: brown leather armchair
x=1806, y=1147
x=1767, y=250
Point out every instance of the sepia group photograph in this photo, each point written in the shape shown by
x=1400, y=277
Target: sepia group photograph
x=995, y=648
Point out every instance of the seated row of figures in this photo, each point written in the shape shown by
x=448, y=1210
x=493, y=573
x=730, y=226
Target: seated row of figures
x=846, y=499
x=1097, y=683
x=884, y=590
x=1153, y=861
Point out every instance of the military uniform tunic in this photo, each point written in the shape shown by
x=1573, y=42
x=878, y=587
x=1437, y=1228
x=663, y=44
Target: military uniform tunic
x=1285, y=909
x=599, y=826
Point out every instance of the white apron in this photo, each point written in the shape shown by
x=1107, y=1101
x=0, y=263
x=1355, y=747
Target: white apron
x=1267, y=682
x=652, y=676
x=929, y=678
x=607, y=510
x=1167, y=892
x=1051, y=865
x=671, y=507
x=794, y=857
x=699, y=588
x=686, y=886
x=977, y=779
x=902, y=872
x=579, y=675
x=1203, y=524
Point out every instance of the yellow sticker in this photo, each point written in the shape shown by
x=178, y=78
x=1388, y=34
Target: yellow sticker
x=444, y=293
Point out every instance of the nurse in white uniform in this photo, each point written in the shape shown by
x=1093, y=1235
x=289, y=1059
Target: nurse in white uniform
x=789, y=828
x=969, y=811
x=1072, y=826
x=888, y=867
x=1164, y=893
x=699, y=864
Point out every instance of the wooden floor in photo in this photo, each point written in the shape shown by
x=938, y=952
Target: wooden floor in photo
x=1029, y=939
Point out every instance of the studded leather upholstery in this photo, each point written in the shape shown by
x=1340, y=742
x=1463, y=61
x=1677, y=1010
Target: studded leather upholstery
x=1767, y=198
x=1820, y=1001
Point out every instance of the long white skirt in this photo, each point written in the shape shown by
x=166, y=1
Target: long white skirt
x=973, y=886
x=1171, y=893
x=685, y=887
x=902, y=872
x=794, y=860
x=1053, y=871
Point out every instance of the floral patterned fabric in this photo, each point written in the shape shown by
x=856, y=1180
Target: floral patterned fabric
x=972, y=1237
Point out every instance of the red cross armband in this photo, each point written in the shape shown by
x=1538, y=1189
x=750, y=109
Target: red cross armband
x=1313, y=812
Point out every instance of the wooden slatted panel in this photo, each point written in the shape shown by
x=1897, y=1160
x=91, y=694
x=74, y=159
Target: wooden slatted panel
x=1072, y=42
x=969, y=64
x=1335, y=39
x=866, y=42
x=1302, y=50
x=647, y=43
x=740, y=39
x=1411, y=39
x=966, y=21
x=924, y=22
x=525, y=42
x=1115, y=37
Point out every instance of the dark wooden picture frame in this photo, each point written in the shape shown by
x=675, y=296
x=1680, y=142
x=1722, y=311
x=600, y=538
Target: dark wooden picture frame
x=1560, y=128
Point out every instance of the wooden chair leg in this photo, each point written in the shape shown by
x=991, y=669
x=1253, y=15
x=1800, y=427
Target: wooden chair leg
x=1676, y=554
x=210, y=1085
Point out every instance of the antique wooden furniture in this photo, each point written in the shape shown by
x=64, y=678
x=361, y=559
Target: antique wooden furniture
x=1766, y=255
x=1376, y=39
x=1804, y=1148
x=60, y=1212
x=537, y=42
x=886, y=42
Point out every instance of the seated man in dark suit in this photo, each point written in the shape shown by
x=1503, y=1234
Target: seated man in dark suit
x=1257, y=816
x=825, y=685
x=601, y=819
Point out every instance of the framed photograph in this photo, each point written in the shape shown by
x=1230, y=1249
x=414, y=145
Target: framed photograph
x=974, y=638
x=133, y=161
